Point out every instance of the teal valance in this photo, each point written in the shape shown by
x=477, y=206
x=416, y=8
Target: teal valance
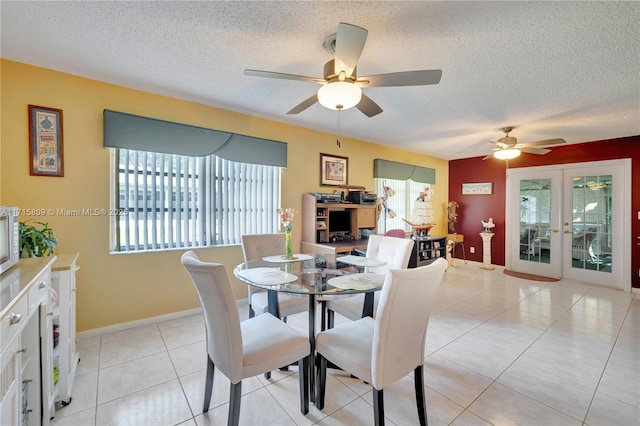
x=122, y=130
x=402, y=171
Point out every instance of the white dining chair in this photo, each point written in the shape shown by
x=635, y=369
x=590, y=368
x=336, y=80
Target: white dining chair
x=387, y=348
x=394, y=251
x=257, y=246
x=242, y=349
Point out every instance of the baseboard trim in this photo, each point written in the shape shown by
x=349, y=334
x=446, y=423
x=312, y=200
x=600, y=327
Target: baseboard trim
x=145, y=321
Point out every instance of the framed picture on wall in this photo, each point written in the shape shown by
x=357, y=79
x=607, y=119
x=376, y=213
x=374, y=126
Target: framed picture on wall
x=477, y=188
x=334, y=170
x=45, y=142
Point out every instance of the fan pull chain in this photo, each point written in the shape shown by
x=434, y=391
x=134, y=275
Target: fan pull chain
x=338, y=129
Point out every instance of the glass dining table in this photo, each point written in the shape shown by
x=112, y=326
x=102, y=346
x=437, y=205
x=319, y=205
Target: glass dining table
x=311, y=275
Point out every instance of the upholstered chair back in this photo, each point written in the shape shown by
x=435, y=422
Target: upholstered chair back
x=401, y=321
x=258, y=246
x=395, y=251
x=224, y=336
x=398, y=233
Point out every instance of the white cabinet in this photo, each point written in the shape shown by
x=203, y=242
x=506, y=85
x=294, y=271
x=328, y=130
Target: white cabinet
x=65, y=356
x=25, y=343
x=10, y=383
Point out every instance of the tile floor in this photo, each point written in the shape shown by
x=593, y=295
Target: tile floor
x=500, y=350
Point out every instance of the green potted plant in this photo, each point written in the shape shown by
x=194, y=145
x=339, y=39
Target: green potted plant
x=37, y=239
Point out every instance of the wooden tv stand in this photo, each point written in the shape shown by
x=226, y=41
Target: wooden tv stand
x=333, y=248
x=316, y=226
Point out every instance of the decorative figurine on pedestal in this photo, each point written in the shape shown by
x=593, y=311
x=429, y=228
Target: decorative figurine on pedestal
x=488, y=226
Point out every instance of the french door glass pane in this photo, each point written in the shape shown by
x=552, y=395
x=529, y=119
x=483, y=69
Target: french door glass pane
x=535, y=219
x=592, y=223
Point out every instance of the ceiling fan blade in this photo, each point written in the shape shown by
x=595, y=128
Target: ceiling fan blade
x=404, y=78
x=350, y=42
x=283, y=76
x=488, y=157
x=368, y=107
x=303, y=105
x=546, y=142
x=539, y=151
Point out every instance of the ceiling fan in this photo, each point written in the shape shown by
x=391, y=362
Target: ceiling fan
x=341, y=87
x=509, y=148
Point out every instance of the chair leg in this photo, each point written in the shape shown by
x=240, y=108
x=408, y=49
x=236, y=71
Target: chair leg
x=321, y=380
x=378, y=407
x=252, y=313
x=235, y=396
x=330, y=318
x=323, y=315
x=303, y=372
x=208, y=387
x=420, y=401
x=267, y=375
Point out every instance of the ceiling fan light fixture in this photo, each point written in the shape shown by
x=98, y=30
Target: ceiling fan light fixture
x=339, y=95
x=507, y=154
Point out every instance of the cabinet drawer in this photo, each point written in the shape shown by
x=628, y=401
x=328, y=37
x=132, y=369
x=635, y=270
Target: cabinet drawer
x=13, y=320
x=40, y=287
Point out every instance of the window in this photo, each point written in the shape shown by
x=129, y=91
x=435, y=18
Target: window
x=170, y=201
x=401, y=203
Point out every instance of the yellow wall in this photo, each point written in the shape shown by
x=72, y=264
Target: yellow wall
x=114, y=289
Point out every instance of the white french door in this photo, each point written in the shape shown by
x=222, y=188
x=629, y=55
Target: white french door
x=571, y=221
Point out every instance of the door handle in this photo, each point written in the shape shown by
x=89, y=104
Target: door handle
x=555, y=231
x=566, y=231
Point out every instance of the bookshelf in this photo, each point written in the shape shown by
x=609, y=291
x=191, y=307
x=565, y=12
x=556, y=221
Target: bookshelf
x=426, y=249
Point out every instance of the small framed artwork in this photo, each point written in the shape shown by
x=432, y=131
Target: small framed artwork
x=477, y=188
x=334, y=170
x=45, y=141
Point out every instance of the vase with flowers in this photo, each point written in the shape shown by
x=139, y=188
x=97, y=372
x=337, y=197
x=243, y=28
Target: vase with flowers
x=286, y=218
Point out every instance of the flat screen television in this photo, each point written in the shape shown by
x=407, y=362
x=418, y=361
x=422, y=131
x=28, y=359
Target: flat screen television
x=339, y=221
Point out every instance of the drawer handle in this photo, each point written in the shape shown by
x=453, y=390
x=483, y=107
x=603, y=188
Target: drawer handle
x=42, y=285
x=14, y=318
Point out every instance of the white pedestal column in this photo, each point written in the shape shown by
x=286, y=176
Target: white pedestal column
x=486, y=250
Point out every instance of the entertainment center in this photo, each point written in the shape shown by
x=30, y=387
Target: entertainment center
x=332, y=225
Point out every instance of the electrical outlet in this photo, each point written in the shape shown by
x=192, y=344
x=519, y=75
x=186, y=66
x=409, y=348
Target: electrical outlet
x=472, y=250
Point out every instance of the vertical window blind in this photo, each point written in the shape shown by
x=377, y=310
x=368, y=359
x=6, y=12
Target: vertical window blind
x=406, y=192
x=174, y=201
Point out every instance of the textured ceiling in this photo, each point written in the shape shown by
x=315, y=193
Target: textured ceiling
x=550, y=69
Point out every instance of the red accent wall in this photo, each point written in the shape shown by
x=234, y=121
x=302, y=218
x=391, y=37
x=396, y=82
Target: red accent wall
x=474, y=208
